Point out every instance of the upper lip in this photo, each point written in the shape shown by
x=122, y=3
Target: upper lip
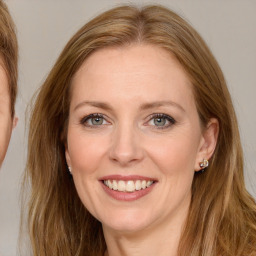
x=127, y=177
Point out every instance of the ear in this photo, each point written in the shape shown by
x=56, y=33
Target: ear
x=208, y=142
x=14, y=122
x=67, y=156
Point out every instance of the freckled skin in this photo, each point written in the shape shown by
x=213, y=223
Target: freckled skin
x=129, y=143
x=6, y=121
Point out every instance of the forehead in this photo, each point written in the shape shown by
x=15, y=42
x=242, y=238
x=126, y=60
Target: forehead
x=132, y=71
x=139, y=55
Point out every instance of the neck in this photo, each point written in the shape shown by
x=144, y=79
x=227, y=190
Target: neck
x=162, y=239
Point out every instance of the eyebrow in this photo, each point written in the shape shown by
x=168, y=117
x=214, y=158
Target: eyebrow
x=161, y=104
x=144, y=106
x=94, y=104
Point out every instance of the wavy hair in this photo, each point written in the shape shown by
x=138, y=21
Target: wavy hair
x=9, y=51
x=222, y=216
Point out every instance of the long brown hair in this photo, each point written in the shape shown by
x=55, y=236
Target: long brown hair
x=222, y=217
x=9, y=51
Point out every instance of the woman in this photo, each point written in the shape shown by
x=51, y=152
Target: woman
x=137, y=109
x=8, y=78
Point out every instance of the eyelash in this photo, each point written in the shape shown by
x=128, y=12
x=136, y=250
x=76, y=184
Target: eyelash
x=84, y=120
x=172, y=121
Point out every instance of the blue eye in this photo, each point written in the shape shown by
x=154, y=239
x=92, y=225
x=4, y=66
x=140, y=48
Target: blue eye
x=97, y=120
x=161, y=121
x=93, y=120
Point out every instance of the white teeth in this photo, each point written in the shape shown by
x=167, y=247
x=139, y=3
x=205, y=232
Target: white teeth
x=143, y=184
x=128, y=186
x=138, y=185
x=149, y=183
x=114, y=185
x=110, y=185
x=121, y=185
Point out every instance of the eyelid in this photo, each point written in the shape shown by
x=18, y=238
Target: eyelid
x=170, y=119
x=93, y=115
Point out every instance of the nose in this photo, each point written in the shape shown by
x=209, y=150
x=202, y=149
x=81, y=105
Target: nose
x=126, y=148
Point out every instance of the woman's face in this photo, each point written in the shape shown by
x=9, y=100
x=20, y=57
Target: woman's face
x=6, y=121
x=134, y=137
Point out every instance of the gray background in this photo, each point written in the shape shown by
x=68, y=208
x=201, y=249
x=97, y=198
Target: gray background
x=44, y=27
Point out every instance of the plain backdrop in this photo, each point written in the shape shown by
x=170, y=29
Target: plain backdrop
x=44, y=27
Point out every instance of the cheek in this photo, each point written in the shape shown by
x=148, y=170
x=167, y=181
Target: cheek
x=174, y=155
x=86, y=151
x=174, y=159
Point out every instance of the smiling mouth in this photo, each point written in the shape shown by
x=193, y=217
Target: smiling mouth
x=128, y=185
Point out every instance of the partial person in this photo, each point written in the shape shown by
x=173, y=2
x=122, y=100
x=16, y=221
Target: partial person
x=8, y=78
x=134, y=146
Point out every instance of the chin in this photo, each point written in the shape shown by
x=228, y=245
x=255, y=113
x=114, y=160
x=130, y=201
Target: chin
x=127, y=222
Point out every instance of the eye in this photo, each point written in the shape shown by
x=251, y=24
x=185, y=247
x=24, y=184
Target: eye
x=161, y=121
x=93, y=120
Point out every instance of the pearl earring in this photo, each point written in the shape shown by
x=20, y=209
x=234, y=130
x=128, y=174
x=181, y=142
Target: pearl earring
x=204, y=164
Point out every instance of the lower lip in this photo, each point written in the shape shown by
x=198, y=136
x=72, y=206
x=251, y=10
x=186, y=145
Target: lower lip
x=127, y=196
